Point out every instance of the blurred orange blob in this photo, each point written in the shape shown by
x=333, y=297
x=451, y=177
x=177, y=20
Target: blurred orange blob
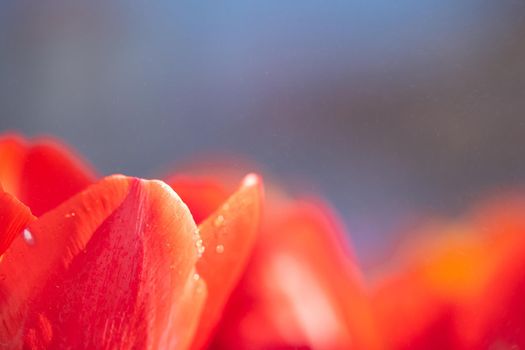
x=461, y=288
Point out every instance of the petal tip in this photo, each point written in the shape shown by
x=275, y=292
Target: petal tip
x=251, y=179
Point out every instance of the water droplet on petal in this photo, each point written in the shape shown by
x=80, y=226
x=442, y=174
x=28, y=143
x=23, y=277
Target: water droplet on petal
x=219, y=220
x=28, y=237
x=196, y=276
x=200, y=289
x=198, y=243
x=219, y=249
x=250, y=180
x=200, y=248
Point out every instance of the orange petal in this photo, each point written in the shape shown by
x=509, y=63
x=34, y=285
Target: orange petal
x=300, y=288
x=42, y=174
x=228, y=236
x=13, y=150
x=460, y=289
x=111, y=268
x=411, y=315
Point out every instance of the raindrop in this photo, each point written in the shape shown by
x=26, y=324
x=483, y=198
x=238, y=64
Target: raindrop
x=219, y=249
x=219, y=220
x=28, y=237
x=200, y=248
x=198, y=243
x=200, y=289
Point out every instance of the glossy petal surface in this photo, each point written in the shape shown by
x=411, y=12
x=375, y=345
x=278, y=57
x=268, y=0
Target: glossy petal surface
x=228, y=236
x=42, y=174
x=111, y=268
x=300, y=289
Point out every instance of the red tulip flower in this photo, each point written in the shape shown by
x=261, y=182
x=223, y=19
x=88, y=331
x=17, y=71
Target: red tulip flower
x=301, y=288
x=205, y=261
x=117, y=264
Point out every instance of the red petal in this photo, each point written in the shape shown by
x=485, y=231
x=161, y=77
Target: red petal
x=14, y=217
x=202, y=195
x=111, y=268
x=228, y=237
x=13, y=150
x=461, y=289
x=412, y=316
x=42, y=175
x=300, y=289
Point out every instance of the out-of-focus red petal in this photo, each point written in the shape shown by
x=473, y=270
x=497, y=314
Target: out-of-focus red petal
x=203, y=195
x=494, y=311
x=412, y=315
x=13, y=150
x=111, y=268
x=14, y=217
x=42, y=174
x=300, y=288
x=51, y=174
x=461, y=289
x=228, y=236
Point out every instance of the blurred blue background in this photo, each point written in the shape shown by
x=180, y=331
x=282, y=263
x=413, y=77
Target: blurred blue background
x=390, y=109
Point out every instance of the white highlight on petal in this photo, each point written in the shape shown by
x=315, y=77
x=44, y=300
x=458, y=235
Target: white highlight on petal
x=313, y=310
x=219, y=249
x=250, y=180
x=28, y=237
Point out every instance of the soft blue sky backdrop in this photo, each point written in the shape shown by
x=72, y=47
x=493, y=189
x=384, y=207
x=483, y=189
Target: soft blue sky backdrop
x=388, y=108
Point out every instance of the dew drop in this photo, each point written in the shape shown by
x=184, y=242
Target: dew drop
x=219, y=249
x=219, y=220
x=200, y=248
x=70, y=215
x=196, y=276
x=250, y=180
x=200, y=289
x=28, y=237
x=198, y=243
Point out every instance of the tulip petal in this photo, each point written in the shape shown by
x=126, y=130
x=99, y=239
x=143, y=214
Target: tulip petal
x=42, y=174
x=14, y=217
x=113, y=267
x=228, y=237
x=300, y=289
x=202, y=195
x=13, y=150
x=461, y=288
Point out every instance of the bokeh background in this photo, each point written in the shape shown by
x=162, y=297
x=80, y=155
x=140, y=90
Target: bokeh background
x=390, y=109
